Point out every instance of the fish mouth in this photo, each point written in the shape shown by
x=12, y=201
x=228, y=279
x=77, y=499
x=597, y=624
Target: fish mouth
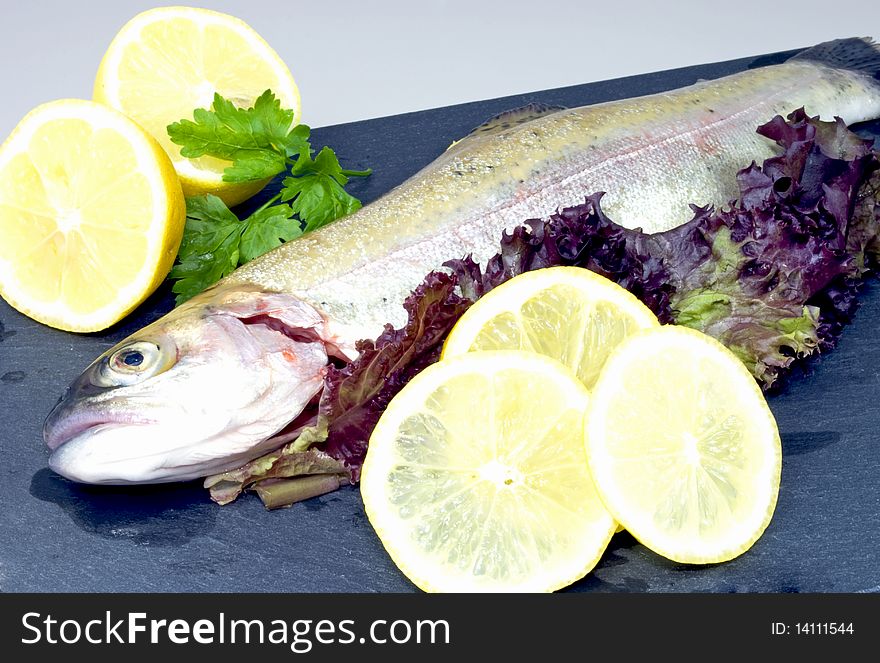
x=120, y=454
x=76, y=458
x=64, y=424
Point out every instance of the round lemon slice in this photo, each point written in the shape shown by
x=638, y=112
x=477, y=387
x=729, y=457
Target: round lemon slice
x=166, y=62
x=568, y=313
x=476, y=479
x=91, y=215
x=684, y=450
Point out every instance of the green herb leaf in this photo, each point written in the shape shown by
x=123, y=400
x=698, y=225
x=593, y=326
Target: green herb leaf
x=298, y=141
x=255, y=166
x=260, y=143
x=209, y=249
x=209, y=223
x=215, y=241
x=266, y=229
x=198, y=274
x=258, y=140
x=316, y=190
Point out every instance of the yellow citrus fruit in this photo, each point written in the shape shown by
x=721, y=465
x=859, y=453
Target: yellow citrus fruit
x=476, y=479
x=91, y=215
x=568, y=313
x=683, y=448
x=166, y=62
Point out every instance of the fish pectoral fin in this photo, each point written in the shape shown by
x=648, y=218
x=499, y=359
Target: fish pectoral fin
x=508, y=120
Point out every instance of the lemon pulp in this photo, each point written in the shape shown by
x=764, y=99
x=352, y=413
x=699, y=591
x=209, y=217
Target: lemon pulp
x=570, y=314
x=684, y=450
x=166, y=62
x=91, y=215
x=476, y=479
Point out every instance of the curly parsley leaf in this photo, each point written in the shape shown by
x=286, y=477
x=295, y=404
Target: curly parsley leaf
x=260, y=143
x=266, y=229
x=209, y=249
x=315, y=188
x=257, y=140
x=215, y=241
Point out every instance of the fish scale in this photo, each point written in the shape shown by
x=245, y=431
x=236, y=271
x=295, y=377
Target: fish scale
x=652, y=155
x=235, y=371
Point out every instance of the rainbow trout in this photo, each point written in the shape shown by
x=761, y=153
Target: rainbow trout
x=214, y=383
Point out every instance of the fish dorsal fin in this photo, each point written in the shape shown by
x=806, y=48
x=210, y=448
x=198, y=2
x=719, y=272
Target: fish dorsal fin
x=509, y=119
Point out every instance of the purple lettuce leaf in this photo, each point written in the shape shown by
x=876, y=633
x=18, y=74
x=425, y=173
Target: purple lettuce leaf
x=760, y=276
x=355, y=396
x=579, y=236
x=774, y=277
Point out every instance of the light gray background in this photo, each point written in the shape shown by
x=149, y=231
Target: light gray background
x=356, y=59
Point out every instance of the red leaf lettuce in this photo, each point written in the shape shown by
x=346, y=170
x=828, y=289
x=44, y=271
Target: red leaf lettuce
x=773, y=277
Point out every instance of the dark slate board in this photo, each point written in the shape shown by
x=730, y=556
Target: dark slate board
x=59, y=536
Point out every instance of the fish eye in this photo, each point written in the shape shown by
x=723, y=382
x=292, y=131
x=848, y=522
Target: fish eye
x=130, y=364
x=128, y=359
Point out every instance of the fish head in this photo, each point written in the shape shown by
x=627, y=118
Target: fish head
x=199, y=391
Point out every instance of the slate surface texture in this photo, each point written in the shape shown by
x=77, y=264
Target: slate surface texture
x=57, y=536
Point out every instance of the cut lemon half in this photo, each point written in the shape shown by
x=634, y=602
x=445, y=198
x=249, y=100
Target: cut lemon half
x=568, y=313
x=167, y=62
x=476, y=479
x=91, y=215
x=684, y=450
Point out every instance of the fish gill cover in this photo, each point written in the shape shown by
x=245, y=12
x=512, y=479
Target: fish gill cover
x=773, y=276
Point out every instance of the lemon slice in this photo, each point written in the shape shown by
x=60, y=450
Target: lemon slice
x=166, y=62
x=91, y=215
x=476, y=480
x=568, y=313
x=684, y=450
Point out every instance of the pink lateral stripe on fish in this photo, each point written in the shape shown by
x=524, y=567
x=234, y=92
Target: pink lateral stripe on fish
x=211, y=385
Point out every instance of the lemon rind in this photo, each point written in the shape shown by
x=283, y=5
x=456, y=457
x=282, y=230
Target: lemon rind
x=509, y=296
x=380, y=459
x=195, y=180
x=163, y=239
x=717, y=550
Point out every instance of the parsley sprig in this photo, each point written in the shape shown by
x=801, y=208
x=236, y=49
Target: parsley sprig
x=260, y=144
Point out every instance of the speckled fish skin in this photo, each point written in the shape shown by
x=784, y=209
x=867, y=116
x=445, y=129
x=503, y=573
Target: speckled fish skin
x=652, y=155
x=224, y=377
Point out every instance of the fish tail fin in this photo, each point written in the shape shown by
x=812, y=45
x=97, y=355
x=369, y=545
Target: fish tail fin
x=860, y=54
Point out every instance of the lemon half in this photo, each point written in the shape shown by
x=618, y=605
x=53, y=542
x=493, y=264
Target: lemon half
x=685, y=453
x=91, y=215
x=568, y=313
x=476, y=479
x=166, y=62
